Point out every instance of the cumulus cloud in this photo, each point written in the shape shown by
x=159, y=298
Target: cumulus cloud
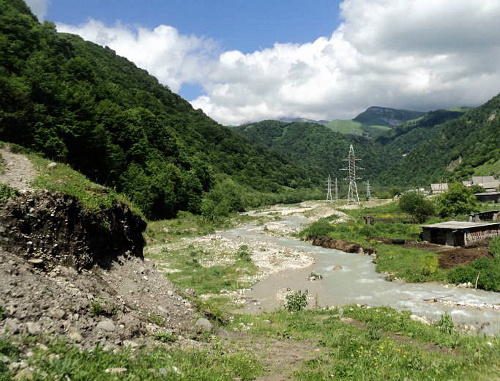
x=172, y=58
x=38, y=7
x=398, y=53
x=410, y=54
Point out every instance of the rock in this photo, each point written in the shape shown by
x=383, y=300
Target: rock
x=57, y=313
x=52, y=165
x=419, y=319
x=11, y=326
x=36, y=261
x=33, y=328
x=338, y=267
x=75, y=336
x=204, y=325
x=130, y=344
x=106, y=325
x=115, y=370
x=24, y=374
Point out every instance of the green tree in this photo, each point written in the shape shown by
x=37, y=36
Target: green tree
x=417, y=206
x=458, y=200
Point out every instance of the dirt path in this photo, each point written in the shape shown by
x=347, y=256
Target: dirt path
x=19, y=171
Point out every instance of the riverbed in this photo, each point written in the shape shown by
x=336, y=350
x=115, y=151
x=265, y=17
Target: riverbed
x=351, y=279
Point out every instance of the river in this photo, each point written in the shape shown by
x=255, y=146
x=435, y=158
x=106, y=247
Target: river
x=352, y=279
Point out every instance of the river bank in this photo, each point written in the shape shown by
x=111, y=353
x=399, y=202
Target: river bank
x=284, y=262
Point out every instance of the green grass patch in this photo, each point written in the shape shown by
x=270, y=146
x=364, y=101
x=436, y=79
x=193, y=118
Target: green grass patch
x=147, y=364
x=62, y=178
x=411, y=265
x=361, y=343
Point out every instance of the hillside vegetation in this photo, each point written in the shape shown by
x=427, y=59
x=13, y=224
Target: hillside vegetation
x=81, y=104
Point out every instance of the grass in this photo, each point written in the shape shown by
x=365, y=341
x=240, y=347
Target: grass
x=204, y=266
x=344, y=343
x=361, y=343
x=157, y=363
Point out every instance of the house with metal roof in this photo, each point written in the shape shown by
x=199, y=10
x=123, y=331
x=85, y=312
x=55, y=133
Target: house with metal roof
x=459, y=233
x=439, y=188
x=489, y=183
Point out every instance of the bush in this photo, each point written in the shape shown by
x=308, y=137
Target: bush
x=320, y=228
x=296, y=300
x=458, y=200
x=417, y=206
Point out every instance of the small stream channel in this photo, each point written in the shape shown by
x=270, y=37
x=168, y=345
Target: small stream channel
x=357, y=282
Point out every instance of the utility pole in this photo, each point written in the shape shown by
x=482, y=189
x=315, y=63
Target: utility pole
x=329, y=189
x=352, y=194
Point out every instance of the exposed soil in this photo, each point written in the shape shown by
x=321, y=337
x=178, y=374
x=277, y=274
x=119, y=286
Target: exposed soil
x=69, y=273
x=19, y=171
x=462, y=256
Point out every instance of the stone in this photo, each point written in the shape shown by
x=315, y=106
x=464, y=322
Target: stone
x=204, y=325
x=57, y=313
x=337, y=267
x=33, y=328
x=24, y=374
x=75, y=336
x=11, y=326
x=106, y=325
x=116, y=370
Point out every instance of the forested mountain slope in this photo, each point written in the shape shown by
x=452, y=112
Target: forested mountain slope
x=454, y=150
x=79, y=103
x=319, y=147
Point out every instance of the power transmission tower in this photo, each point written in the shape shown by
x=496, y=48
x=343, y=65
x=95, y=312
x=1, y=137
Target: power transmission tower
x=352, y=194
x=329, y=189
x=336, y=190
x=368, y=190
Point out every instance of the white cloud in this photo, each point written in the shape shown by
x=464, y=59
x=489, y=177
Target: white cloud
x=38, y=7
x=163, y=52
x=421, y=54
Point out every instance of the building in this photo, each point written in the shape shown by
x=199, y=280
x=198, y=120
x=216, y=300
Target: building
x=459, y=233
x=439, y=188
x=487, y=182
x=488, y=197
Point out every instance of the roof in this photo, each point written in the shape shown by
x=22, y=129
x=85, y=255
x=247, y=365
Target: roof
x=457, y=225
x=482, y=179
x=443, y=186
x=487, y=194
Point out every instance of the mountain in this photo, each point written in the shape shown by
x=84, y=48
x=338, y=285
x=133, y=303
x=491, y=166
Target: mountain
x=384, y=116
x=455, y=149
x=303, y=120
x=81, y=104
x=318, y=147
x=375, y=121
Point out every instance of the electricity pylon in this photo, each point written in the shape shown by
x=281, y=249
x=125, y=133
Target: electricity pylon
x=352, y=194
x=329, y=196
x=368, y=190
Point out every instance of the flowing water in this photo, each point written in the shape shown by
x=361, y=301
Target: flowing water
x=351, y=279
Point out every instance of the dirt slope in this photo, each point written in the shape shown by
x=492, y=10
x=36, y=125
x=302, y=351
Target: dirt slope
x=62, y=275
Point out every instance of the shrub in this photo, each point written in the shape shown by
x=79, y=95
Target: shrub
x=320, y=228
x=417, y=206
x=296, y=300
x=458, y=200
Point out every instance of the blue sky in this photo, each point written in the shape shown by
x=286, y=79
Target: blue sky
x=246, y=25
x=249, y=60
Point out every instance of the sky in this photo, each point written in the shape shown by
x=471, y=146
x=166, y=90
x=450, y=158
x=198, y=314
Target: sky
x=248, y=60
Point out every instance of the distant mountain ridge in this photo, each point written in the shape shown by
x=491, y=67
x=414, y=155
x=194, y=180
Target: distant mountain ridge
x=385, y=116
